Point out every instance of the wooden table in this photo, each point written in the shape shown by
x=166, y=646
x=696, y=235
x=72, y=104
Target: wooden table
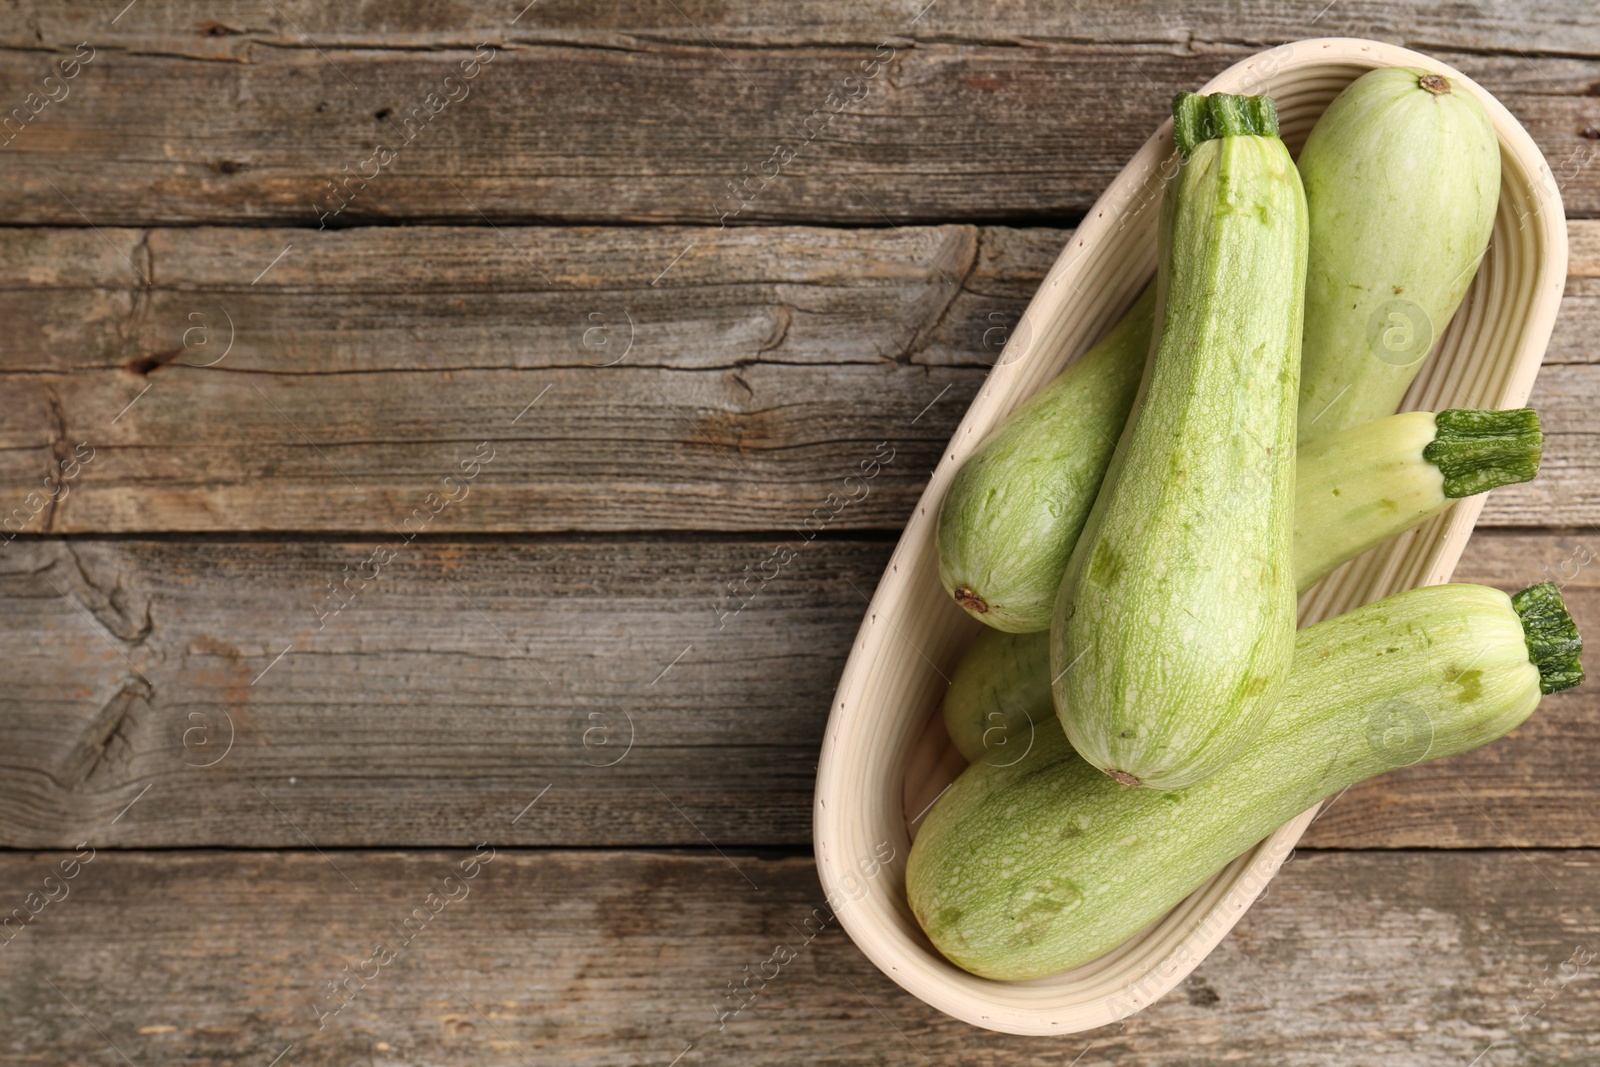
x=273, y=675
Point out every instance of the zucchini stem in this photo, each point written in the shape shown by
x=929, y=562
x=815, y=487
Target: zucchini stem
x=1554, y=644
x=1228, y=115
x=1479, y=450
x=1197, y=119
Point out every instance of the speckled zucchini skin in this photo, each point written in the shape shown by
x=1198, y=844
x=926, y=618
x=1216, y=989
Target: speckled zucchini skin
x=1175, y=620
x=1402, y=179
x=1038, y=866
x=999, y=691
x=1014, y=509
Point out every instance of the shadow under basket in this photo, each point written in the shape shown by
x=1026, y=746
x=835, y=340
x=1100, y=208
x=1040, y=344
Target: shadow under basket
x=885, y=756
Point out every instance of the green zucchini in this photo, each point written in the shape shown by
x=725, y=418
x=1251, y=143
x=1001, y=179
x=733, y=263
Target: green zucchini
x=999, y=692
x=1402, y=180
x=1042, y=864
x=1176, y=615
x=1014, y=509
x=1359, y=487
x=1353, y=490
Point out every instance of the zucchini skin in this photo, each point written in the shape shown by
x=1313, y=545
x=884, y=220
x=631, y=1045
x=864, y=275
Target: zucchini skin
x=1035, y=868
x=1174, y=624
x=1339, y=519
x=1358, y=487
x=1000, y=690
x=1016, y=506
x=1353, y=490
x=1402, y=183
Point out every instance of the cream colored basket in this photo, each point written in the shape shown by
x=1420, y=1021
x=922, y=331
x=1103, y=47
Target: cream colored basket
x=886, y=757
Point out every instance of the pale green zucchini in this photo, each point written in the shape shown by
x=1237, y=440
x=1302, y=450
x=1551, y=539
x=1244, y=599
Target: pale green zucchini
x=1402, y=179
x=1042, y=864
x=1014, y=509
x=999, y=692
x=1353, y=490
x=1176, y=613
x=1359, y=487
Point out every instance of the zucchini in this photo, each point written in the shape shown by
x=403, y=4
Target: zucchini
x=999, y=692
x=1353, y=490
x=1359, y=487
x=1402, y=180
x=1041, y=865
x=1014, y=509
x=1176, y=615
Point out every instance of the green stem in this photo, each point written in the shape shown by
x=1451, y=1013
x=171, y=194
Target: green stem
x=1263, y=115
x=1197, y=118
x=1228, y=115
x=1191, y=122
x=1478, y=450
x=1554, y=643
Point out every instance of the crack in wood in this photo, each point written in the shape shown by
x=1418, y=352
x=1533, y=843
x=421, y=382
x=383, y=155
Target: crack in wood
x=103, y=734
x=964, y=250
x=111, y=607
x=59, y=452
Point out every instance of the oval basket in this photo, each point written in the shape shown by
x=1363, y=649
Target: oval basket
x=885, y=756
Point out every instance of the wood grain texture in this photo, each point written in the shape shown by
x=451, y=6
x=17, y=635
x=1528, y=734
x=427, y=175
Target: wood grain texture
x=1562, y=27
x=469, y=676
x=642, y=116
x=682, y=378
x=737, y=393
x=1411, y=959
x=556, y=662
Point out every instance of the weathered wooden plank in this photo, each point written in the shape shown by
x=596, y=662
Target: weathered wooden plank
x=305, y=381
x=597, y=125
x=192, y=27
x=477, y=675
x=769, y=368
x=1412, y=959
x=466, y=677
